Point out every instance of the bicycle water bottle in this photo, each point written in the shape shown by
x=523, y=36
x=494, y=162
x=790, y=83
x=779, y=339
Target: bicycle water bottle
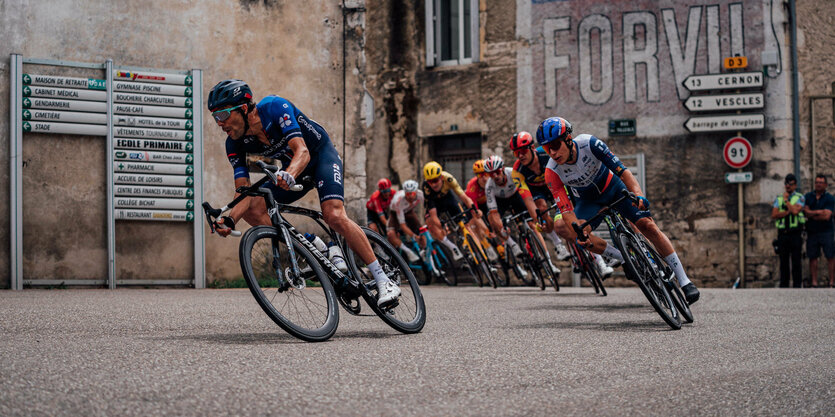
x=317, y=242
x=335, y=255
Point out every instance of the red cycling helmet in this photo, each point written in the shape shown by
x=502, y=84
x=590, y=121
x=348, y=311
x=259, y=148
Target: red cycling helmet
x=383, y=184
x=521, y=140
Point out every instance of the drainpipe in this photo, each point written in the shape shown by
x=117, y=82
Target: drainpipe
x=795, y=93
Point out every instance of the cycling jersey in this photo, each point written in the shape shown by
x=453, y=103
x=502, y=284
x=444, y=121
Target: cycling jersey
x=379, y=202
x=513, y=183
x=534, y=181
x=400, y=206
x=282, y=121
x=594, y=180
x=475, y=192
x=449, y=183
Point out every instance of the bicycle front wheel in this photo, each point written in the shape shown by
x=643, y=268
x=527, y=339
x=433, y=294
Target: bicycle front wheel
x=533, y=260
x=442, y=259
x=545, y=266
x=305, y=305
x=647, y=277
x=484, y=268
x=409, y=315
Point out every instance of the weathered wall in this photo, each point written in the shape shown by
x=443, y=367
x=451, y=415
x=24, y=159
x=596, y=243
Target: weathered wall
x=289, y=48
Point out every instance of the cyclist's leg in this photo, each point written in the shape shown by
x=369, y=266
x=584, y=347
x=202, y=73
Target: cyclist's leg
x=393, y=235
x=372, y=220
x=414, y=224
x=548, y=229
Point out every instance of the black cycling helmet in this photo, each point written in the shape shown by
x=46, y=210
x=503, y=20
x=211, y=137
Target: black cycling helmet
x=229, y=93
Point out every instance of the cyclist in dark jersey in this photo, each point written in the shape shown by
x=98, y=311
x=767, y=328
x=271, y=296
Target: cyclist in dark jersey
x=277, y=129
x=531, y=165
x=596, y=177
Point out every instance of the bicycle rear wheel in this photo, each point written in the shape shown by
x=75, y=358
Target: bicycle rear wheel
x=485, y=269
x=442, y=258
x=533, y=260
x=475, y=272
x=544, y=265
x=647, y=277
x=307, y=309
x=672, y=286
x=409, y=315
x=591, y=272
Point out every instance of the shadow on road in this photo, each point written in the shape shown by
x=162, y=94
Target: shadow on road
x=623, y=326
x=241, y=338
x=605, y=308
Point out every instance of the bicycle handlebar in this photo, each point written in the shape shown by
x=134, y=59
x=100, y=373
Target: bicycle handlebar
x=578, y=229
x=272, y=170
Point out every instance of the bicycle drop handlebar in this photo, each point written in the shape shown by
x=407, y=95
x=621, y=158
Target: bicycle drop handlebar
x=212, y=214
x=578, y=229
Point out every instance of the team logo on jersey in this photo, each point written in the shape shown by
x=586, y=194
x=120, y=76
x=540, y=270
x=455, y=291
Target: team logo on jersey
x=286, y=106
x=337, y=177
x=284, y=120
x=321, y=183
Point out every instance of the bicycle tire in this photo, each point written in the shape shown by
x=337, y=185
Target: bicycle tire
x=675, y=290
x=534, y=264
x=638, y=265
x=442, y=257
x=592, y=274
x=475, y=273
x=251, y=246
x=409, y=315
x=544, y=264
x=483, y=266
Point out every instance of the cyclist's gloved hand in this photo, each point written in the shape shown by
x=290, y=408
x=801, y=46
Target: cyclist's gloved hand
x=538, y=227
x=287, y=178
x=643, y=203
x=224, y=225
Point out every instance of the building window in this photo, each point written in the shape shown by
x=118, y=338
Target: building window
x=451, y=32
x=456, y=154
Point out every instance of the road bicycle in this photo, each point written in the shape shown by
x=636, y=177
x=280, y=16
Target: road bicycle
x=298, y=286
x=480, y=268
x=583, y=263
x=643, y=264
x=435, y=261
x=533, y=256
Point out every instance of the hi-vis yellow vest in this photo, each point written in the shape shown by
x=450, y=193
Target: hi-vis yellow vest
x=795, y=221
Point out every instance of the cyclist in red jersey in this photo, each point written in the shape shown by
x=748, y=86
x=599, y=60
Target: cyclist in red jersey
x=378, y=205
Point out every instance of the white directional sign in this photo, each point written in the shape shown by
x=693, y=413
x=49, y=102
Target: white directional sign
x=152, y=168
x=77, y=105
x=175, y=180
x=152, y=77
x=152, y=99
x=161, y=111
x=727, y=81
x=753, y=121
x=738, y=177
x=65, y=128
x=737, y=152
x=725, y=102
x=154, y=203
x=66, y=116
x=154, y=145
x=141, y=190
x=145, y=156
x=165, y=215
x=70, y=82
x=145, y=88
x=65, y=93
x=158, y=122
x=135, y=132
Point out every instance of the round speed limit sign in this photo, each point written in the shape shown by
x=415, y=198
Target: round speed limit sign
x=737, y=152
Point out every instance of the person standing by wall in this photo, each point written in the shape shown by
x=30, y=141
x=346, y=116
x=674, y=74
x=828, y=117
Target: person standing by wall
x=789, y=219
x=820, y=234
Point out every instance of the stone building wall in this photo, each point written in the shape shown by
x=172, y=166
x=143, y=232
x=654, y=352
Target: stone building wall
x=293, y=49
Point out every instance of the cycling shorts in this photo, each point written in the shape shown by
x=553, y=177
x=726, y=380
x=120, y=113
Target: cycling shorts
x=515, y=203
x=412, y=222
x=541, y=192
x=372, y=217
x=585, y=209
x=326, y=174
x=447, y=204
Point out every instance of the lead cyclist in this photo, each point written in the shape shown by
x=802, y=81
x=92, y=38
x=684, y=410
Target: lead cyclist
x=276, y=128
x=597, y=177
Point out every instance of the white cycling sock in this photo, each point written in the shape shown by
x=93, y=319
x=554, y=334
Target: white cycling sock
x=613, y=252
x=448, y=243
x=510, y=241
x=675, y=263
x=403, y=247
x=555, y=239
x=376, y=270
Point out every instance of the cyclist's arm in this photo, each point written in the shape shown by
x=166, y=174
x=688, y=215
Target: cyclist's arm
x=453, y=184
x=496, y=223
x=557, y=188
x=631, y=183
x=530, y=205
x=301, y=157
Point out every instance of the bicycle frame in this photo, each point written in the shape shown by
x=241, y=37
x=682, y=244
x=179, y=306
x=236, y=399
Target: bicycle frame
x=458, y=221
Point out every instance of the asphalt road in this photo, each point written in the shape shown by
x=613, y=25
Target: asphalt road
x=511, y=351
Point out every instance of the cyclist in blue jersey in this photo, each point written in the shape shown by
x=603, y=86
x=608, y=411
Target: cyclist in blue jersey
x=277, y=129
x=596, y=177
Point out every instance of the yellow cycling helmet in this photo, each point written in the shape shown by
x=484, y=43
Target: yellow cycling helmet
x=478, y=166
x=432, y=170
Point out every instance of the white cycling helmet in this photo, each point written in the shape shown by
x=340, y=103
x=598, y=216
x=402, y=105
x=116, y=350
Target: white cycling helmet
x=493, y=163
x=410, y=186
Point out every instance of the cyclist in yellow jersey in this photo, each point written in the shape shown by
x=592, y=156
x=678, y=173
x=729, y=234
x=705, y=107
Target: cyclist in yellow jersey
x=437, y=185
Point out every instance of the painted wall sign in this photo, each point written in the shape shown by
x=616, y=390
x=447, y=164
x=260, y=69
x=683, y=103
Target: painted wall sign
x=145, y=88
x=588, y=60
x=153, y=168
x=151, y=77
x=156, y=122
x=154, y=203
x=65, y=128
x=165, y=215
x=152, y=100
x=55, y=104
x=65, y=116
x=71, y=82
x=153, y=111
x=174, y=180
x=725, y=102
x=727, y=81
x=144, y=191
x=725, y=123
x=145, y=156
x=136, y=132
x=153, y=145
x=64, y=93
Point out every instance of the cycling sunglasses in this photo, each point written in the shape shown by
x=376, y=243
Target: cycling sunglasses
x=553, y=145
x=434, y=180
x=223, y=115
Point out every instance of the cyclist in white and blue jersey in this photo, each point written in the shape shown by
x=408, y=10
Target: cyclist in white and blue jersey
x=596, y=177
x=277, y=129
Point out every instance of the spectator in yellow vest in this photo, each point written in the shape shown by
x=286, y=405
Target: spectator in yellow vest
x=789, y=219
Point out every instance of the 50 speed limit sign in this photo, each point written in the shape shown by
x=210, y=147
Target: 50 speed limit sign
x=737, y=152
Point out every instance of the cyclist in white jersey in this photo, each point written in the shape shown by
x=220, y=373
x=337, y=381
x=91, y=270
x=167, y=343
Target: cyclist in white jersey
x=503, y=191
x=404, y=219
